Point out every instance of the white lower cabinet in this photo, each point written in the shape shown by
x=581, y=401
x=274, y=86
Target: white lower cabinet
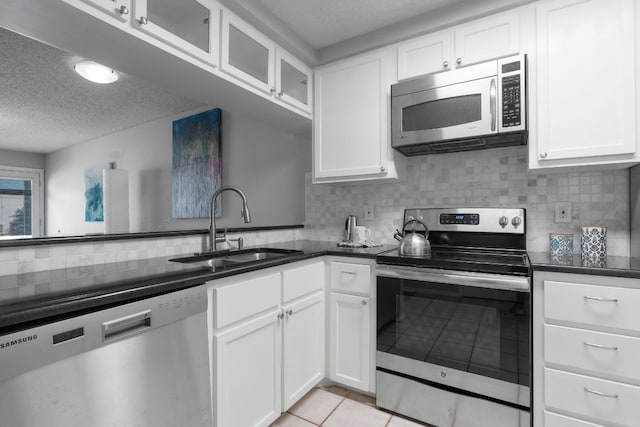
x=349, y=342
x=267, y=342
x=586, y=344
x=303, y=344
x=351, y=319
x=247, y=379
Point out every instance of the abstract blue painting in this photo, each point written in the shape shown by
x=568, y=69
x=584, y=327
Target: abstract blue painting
x=196, y=164
x=93, y=193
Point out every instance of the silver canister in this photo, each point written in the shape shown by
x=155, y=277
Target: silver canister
x=351, y=222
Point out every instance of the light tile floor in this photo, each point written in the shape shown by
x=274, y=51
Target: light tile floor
x=339, y=407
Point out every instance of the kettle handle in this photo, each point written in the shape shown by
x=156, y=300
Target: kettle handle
x=398, y=235
x=426, y=229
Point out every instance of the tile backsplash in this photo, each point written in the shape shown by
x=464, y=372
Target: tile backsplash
x=488, y=178
x=28, y=259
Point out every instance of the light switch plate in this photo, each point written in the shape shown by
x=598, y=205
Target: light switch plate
x=563, y=212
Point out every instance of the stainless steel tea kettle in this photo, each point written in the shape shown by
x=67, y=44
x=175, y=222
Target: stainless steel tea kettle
x=413, y=243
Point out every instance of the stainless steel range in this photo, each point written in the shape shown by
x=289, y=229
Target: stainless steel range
x=453, y=327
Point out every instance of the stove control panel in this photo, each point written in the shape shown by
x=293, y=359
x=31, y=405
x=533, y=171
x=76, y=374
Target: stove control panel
x=484, y=220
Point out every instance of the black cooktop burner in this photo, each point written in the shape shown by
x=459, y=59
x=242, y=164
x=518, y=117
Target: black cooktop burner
x=464, y=259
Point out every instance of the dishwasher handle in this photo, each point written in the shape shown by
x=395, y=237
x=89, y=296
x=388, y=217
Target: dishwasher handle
x=126, y=326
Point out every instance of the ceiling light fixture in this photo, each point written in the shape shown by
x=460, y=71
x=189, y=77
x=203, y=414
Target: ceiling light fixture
x=95, y=72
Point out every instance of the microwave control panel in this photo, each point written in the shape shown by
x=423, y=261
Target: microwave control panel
x=511, y=101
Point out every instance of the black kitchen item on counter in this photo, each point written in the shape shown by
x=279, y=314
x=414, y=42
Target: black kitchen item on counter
x=454, y=327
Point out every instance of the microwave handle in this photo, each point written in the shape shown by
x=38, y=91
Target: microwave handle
x=493, y=104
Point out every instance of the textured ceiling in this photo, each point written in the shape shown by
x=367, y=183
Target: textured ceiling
x=327, y=22
x=45, y=106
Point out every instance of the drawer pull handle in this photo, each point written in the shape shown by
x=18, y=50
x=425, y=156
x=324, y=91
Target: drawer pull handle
x=599, y=393
x=351, y=273
x=604, y=347
x=602, y=299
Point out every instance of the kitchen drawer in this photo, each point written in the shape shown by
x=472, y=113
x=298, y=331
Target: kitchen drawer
x=601, y=353
x=244, y=299
x=302, y=281
x=602, y=306
x=352, y=278
x=576, y=394
x=556, y=420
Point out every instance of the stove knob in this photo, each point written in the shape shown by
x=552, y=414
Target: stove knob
x=516, y=221
x=503, y=221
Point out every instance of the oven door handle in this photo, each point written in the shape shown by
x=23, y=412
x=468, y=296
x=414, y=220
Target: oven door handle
x=480, y=280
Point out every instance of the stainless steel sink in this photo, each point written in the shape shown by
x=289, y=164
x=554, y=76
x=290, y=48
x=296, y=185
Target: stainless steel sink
x=231, y=258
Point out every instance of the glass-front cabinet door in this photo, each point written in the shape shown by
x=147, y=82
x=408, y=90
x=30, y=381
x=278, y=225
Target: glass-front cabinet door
x=188, y=25
x=293, y=81
x=119, y=9
x=246, y=53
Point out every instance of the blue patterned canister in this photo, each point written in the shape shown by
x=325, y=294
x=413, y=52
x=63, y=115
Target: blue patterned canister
x=594, y=242
x=560, y=245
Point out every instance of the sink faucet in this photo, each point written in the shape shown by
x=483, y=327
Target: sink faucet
x=246, y=216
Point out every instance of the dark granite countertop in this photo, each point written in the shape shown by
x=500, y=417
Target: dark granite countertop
x=610, y=266
x=73, y=291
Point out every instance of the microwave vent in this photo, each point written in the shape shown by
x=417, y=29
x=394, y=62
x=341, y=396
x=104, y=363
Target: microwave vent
x=466, y=144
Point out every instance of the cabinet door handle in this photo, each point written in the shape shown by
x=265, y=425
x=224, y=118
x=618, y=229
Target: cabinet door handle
x=459, y=61
x=364, y=302
x=604, y=347
x=543, y=155
x=123, y=10
x=289, y=312
x=599, y=393
x=445, y=64
x=280, y=316
x=143, y=20
x=601, y=299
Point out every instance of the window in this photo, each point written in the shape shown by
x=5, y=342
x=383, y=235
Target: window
x=21, y=202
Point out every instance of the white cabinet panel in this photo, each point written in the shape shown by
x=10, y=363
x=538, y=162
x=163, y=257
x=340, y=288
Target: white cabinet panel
x=488, y=38
x=350, y=340
x=247, y=376
x=351, y=138
x=294, y=81
x=607, y=401
x=244, y=299
x=585, y=85
x=351, y=278
x=601, y=353
x=300, y=281
x=424, y=55
x=303, y=344
x=601, y=306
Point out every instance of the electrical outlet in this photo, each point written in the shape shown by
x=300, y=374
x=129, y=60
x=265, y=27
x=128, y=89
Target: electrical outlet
x=563, y=212
x=368, y=213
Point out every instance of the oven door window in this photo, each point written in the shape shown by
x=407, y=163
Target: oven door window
x=477, y=330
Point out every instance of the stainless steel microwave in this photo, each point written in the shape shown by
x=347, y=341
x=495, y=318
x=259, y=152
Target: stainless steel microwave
x=476, y=107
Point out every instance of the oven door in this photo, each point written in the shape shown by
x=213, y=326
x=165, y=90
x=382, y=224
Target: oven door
x=461, y=110
x=465, y=332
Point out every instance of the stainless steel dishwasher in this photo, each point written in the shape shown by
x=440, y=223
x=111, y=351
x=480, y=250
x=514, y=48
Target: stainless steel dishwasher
x=144, y=363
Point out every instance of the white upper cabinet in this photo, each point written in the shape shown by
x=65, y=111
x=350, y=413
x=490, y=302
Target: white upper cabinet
x=351, y=140
x=488, y=38
x=294, y=81
x=251, y=57
x=119, y=9
x=583, y=84
x=424, y=55
x=467, y=44
x=190, y=26
x=247, y=54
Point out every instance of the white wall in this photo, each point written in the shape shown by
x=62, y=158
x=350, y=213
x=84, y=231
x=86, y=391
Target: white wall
x=22, y=159
x=267, y=164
